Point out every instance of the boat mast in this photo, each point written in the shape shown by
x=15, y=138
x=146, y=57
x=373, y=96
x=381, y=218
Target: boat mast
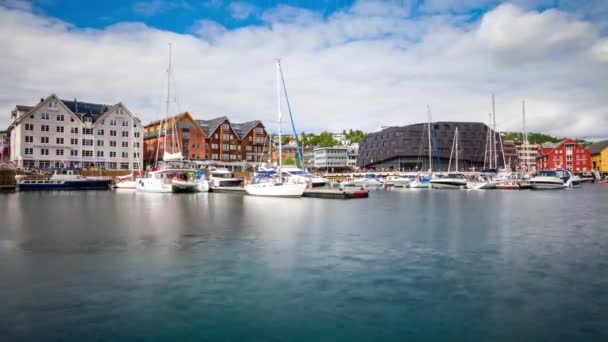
x=428, y=107
x=279, y=113
x=525, y=135
x=452, y=151
x=494, y=132
x=457, y=153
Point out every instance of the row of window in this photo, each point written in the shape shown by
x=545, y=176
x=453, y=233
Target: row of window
x=74, y=153
x=73, y=141
x=74, y=130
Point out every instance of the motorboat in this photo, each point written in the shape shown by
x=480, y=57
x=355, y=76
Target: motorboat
x=369, y=180
x=126, y=182
x=175, y=176
x=300, y=175
x=483, y=182
x=223, y=177
x=63, y=179
x=398, y=181
x=553, y=179
x=450, y=181
x=420, y=182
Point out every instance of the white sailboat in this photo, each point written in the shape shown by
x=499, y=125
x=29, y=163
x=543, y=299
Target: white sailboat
x=270, y=185
x=453, y=180
x=173, y=174
x=421, y=181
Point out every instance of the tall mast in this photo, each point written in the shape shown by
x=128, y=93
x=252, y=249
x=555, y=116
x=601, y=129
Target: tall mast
x=279, y=112
x=457, y=153
x=167, y=104
x=490, y=148
x=494, y=132
x=429, y=133
x=525, y=135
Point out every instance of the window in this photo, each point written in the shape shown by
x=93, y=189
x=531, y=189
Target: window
x=74, y=141
x=44, y=140
x=214, y=146
x=53, y=104
x=226, y=147
x=59, y=117
x=44, y=128
x=44, y=116
x=112, y=154
x=214, y=156
x=100, y=153
x=136, y=134
x=225, y=157
x=29, y=139
x=248, y=148
x=125, y=144
x=99, y=142
x=125, y=134
x=120, y=111
x=112, y=143
x=113, y=122
x=88, y=119
x=259, y=130
x=226, y=137
x=59, y=129
x=44, y=151
x=87, y=131
x=87, y=142
x=124, y=166
x=74, y=153
x=59, y=152
x=74, y=130
x=29, y=127
x=100, y=132
x=232, y=147
x=250, y=138
x=71, y=119
x=29, y=150
x=125, y=123
x=87, y=153
x=59, y=141
x=136, y=155
x=103, y=122
x=112, y=166
x=137, y=145
x=215, y=136
x=112, y=133
x=125, y=154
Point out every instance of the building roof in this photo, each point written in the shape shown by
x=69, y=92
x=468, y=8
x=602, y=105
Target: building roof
x=173, y=117
x=242, y=129
x=22, y=108
x=598, y=147
x=210, y=126
x=86, y=109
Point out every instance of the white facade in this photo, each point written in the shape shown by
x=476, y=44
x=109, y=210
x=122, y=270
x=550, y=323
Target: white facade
x=353, y=155
x=51, y=135
x=331, y=157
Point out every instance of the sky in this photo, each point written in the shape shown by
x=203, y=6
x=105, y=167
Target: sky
x=347, y=64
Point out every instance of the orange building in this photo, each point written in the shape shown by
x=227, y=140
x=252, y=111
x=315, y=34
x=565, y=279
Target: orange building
x=235, y=142
x=188, y=138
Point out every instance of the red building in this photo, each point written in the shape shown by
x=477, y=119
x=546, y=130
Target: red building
x=568, y=154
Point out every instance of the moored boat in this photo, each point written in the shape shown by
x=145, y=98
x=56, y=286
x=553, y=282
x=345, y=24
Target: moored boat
x=451, y=181
x=63, y=179
x=224, y=177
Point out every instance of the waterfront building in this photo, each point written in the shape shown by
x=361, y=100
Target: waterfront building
x=62, y=133
x=331, y=158
x=255, y=143
x=183, y=135
x=4, y=146
x=406, y=148
x=526, y=156
x=599, y=156
x=567, y=154
x=352, y=152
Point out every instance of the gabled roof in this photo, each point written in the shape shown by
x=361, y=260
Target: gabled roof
x=173, y=117
x=86, y=109
x=210, y=126
x=22, y=108
x=598, y=147
x=242, y=129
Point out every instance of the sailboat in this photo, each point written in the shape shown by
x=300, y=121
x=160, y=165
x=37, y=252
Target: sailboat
x=453, y=180
x=421, y=181
x=173, y=174
x=274, y=185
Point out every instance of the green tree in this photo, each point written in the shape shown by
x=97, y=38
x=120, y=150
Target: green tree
x=326, y=139
x=289, y=161
x=285, y=140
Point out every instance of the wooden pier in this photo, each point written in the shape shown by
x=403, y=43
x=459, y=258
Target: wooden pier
x=310, y=193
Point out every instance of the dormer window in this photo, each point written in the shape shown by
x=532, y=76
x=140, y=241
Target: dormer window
x=87, y=119
x=53, y=104
x=120, y=111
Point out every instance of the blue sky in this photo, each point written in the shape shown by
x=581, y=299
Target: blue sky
x=348, y=64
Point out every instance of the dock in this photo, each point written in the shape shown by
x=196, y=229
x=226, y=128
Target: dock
x=310, y=193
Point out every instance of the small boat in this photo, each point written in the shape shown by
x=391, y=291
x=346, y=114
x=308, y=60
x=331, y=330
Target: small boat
x=451, y=181
x=63, y=179
x=224, y=177
x=420, y=182
x=169, y=181
x=369, y=180
x=300, y=175
x=553, y=179
x=126, y=182
x=398, y=181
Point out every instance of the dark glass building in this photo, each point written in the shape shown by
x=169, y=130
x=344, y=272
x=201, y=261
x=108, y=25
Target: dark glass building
x=406, y=148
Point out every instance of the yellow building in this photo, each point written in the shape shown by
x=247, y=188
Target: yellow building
x=599, y=156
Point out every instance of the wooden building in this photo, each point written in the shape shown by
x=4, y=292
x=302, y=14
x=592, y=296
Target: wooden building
x=235, y=142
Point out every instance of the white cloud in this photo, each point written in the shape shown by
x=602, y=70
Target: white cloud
x=358, y=68
x=241, y=10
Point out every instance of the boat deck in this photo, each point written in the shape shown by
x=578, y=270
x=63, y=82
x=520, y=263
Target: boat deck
x=311, y=193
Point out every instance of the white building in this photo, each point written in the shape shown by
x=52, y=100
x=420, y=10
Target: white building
x=330, y=157
x=527, y=154
x=61, y=133
x=353, y=154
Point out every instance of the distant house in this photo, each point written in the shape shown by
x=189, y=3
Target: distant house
x=567, y=154
x=599, y=156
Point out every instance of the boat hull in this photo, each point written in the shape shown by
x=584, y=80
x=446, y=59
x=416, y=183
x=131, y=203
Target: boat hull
x=184, y=187
x=546, y=185
x=275, y=190
x=227, y=182
x=126, y=185
x=65, y=185
x=448, y=185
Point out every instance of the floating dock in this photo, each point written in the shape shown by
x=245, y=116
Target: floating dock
x=311, y=193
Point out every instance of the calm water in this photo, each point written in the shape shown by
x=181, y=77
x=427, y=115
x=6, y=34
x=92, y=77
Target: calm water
x=402, y=265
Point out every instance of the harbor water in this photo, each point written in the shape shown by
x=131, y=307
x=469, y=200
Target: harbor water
x=402, y=265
